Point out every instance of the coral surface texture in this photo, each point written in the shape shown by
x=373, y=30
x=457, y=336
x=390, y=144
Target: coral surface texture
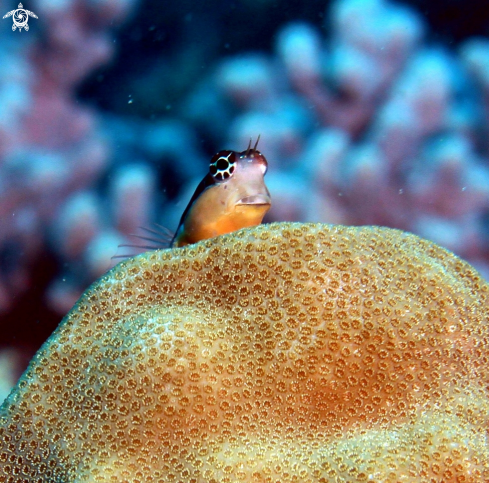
x=286, y=352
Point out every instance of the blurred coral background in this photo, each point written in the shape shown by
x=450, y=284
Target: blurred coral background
x=369, y=111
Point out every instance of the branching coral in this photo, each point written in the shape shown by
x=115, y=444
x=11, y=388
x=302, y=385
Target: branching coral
x=286, y=352
x=51, y=148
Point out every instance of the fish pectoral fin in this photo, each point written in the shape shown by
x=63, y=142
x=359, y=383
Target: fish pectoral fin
x=162, y=238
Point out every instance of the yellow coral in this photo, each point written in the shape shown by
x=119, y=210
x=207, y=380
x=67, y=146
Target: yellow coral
x=285, y=352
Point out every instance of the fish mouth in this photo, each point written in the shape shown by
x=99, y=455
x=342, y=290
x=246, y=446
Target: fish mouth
x=255, y=200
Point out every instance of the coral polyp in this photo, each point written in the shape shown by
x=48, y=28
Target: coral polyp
x=285, y=352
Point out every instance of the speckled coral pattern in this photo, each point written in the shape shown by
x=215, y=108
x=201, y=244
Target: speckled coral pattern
x=285, y=352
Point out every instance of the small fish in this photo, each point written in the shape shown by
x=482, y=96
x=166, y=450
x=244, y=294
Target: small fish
x=231, y=196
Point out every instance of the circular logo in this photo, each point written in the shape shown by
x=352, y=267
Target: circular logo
x=20, y=19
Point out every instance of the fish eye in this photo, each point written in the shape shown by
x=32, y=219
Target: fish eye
x=222, y=165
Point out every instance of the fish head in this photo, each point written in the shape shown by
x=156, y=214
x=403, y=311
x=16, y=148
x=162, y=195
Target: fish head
x=245, y=190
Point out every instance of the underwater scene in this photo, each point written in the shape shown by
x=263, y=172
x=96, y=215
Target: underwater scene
x=310, y=346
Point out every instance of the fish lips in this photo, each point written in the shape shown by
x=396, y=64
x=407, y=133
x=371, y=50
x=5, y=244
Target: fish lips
x=262, y=199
